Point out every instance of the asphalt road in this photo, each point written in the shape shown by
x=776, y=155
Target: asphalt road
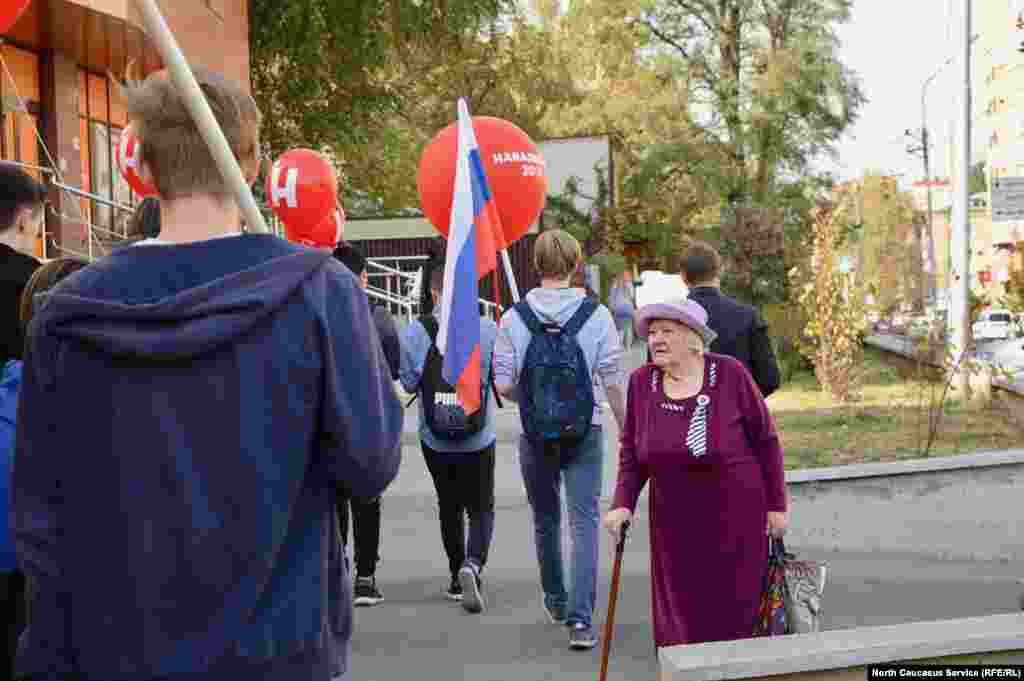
x=417, y=634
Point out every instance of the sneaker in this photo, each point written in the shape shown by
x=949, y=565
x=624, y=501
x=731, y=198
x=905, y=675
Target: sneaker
x=581, y=637
x=367, y=593
x=472, y=599
x=454, y=592
x=555, y=615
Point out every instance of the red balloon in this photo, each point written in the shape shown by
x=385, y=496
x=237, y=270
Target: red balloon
x=129, y=162
x=515, y=175
x=327, y=234
x=10, y=10
x=302, y=190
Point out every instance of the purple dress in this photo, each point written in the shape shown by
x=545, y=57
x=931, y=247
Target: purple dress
x=710, y=490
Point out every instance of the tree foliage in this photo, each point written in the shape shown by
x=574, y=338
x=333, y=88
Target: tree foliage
x=715, y=108
x=834, y=305
x=885, y=247
x=739, y=96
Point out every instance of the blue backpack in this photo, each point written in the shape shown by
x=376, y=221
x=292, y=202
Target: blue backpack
x=557, y=393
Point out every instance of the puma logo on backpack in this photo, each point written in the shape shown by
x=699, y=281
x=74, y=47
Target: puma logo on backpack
x=444, y=415
x=557, y=403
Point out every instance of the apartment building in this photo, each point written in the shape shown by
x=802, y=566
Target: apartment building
x=999, y=111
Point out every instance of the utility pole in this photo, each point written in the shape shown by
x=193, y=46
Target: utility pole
x=923, y=244
x=959, y=313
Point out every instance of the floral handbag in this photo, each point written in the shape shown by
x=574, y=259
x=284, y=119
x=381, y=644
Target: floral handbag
x=771, y=614
x=791, y=598
x=805, y=582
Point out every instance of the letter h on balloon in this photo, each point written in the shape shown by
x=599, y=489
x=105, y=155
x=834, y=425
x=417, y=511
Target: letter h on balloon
x=287, y=192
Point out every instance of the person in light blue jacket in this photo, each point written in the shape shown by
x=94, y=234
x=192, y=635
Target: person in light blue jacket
x=556, y=256
x=461, y=463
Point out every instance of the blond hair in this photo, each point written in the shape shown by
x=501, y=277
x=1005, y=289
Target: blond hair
x=172, y=147
x=556, y=254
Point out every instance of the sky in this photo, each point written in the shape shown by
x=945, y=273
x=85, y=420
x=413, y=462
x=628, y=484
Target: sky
x=894, y=46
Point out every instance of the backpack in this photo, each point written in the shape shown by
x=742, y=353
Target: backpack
x=445, y=417
x=557, y=403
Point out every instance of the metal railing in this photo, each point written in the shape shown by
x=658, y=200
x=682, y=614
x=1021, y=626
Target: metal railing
x=401, y=287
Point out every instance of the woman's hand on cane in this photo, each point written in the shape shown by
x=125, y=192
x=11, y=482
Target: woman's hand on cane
x=615, y=519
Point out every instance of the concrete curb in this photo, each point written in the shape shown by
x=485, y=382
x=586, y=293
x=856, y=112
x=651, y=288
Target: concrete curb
x=829, y=650
x=916, y=466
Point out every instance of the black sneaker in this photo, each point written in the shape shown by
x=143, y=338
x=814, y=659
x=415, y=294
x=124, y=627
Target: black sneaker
x=472, y=599
x=367, y=593
x=454, y=592
x=581, y=637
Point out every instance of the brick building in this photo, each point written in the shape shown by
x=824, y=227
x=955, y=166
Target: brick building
x=53, y=79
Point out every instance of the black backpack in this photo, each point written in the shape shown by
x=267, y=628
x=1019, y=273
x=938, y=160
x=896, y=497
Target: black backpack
x=445, y=417
x=557, y=403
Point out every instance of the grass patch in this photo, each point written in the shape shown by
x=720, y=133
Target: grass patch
x=888, y=424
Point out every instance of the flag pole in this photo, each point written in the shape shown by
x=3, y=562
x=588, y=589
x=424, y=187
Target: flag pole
x=510, y=275
x=199, y=108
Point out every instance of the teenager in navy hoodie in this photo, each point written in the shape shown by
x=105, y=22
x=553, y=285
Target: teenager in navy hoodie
x=188, y=408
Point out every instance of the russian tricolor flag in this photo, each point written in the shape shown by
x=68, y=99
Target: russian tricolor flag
x=470, y=256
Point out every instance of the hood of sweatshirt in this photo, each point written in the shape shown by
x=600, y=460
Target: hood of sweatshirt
x=193, y=300
x=555, y=305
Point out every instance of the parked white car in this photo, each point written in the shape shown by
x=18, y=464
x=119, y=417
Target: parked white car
x=994, y=325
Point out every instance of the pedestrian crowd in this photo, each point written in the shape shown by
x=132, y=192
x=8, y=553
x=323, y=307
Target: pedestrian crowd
x=189, y=426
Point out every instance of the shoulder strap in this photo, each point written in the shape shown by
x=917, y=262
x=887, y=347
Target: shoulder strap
x=528, y=317
x=576, y=322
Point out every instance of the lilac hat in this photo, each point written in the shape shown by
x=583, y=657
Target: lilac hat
x=686, y=312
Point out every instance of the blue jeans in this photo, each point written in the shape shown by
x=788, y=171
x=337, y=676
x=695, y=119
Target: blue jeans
x=582, y=469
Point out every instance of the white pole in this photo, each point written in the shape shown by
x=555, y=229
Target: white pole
x=510, y=275
x=181, y=76
x=961, y=246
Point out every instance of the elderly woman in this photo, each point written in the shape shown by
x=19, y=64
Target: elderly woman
x=698, y=428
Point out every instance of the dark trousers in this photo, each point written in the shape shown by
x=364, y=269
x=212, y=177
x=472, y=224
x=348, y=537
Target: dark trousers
x=365, y=532
x=12, y=612
x=465, y=486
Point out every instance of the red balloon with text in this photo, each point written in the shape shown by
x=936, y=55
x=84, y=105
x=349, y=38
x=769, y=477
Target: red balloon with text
x=302, y=189
x=129, y=162
x=514, y=169
x=10, y=11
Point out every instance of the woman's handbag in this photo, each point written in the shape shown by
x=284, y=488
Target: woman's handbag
x=791, y=598
x=805, y=582
x=771, y=613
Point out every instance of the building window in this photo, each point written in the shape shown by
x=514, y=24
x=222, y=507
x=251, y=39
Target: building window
x=102, y=116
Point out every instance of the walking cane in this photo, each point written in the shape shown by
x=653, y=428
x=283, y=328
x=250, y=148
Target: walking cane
x=613, y=597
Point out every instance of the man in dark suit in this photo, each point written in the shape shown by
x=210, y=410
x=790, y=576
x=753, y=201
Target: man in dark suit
x=742, y=333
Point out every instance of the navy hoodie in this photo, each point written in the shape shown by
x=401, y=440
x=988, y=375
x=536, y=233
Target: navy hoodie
x=187, y=413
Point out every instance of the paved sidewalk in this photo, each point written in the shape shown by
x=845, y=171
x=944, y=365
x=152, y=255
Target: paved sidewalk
x=415, y=634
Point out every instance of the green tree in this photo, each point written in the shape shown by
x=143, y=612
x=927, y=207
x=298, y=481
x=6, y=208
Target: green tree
x=884, y=242
x=1014, y=298
x=977, y=181
x=759, y=91
x=329, y=75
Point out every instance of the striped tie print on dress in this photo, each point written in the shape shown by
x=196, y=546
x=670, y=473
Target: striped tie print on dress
x=696, y=436
x=697, y=433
